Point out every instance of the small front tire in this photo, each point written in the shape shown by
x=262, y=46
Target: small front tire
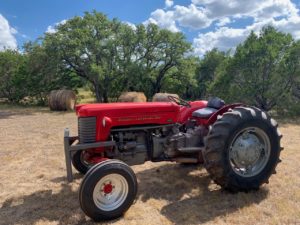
x=79, y=163
x=108, y=190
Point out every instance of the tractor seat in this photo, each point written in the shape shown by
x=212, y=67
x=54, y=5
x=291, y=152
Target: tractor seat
x=213, y=105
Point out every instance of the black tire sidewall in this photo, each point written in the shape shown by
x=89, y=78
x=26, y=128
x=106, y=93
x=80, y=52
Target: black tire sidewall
x=78, y=164
x=89, y=183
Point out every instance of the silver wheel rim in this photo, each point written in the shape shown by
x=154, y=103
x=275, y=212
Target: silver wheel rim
x=249, y=152
x=110, y=192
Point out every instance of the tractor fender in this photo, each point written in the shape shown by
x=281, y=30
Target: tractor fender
x=224, y=109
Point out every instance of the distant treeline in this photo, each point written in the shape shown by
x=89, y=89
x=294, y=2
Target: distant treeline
x=110, y=57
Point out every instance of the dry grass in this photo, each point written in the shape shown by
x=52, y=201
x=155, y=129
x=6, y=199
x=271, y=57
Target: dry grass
x=85, y=96
x=33, y=188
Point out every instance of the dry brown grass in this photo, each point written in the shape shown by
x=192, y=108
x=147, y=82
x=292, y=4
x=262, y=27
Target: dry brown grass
x=33, y=188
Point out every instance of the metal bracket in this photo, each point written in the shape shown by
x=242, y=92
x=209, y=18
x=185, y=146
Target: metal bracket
x=70, y=148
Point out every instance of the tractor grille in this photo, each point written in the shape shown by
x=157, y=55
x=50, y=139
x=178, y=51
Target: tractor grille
x=87, y=129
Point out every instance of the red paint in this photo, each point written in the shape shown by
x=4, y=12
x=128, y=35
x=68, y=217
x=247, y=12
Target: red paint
x=128, y=114
x=111, y=115
x=94, y=156
x=107, y=188
x=185, y=113
x=224, y=109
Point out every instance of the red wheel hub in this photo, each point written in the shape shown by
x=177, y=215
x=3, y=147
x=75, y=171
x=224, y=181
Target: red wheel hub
x=107, y=188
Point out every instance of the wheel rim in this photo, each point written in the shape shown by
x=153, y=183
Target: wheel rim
x=110, y=192
x=249, y=152
x=83, y=159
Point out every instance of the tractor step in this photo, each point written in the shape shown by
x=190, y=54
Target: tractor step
x=191, y=149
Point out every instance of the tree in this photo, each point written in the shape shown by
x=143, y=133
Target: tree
x=181, y=80
x=159, y=51
x=113, y=56
x=259, y=72
x=291, y=102
x=46, y=73
x=207, y=70
x=12, y=75
x=85, y=45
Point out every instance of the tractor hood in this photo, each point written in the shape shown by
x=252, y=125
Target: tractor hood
x=125, y=109
x=110, y=115
x=128, y=113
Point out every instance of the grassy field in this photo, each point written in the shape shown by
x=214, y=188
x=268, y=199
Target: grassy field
x=85, y=96
x=33, y=187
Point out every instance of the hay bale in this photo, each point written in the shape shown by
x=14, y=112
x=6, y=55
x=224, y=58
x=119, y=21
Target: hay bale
x=61, y=100
x=163, y=97
x=132, y=97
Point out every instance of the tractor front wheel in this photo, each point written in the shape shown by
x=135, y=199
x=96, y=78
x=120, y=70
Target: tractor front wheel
x=108, y=190
x=242, y=149
x=80, y=164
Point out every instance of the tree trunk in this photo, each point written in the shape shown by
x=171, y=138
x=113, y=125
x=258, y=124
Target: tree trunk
x=97, y=92
x=105, y=96
x=157, y=84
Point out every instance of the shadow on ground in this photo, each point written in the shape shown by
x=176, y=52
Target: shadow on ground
x=62, y=207
x=7, y=111
x=175, y=183
x=192, y=199
x=8, y=114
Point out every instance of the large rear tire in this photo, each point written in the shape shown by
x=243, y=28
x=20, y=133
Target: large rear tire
x=108, y=190
x=242, y=149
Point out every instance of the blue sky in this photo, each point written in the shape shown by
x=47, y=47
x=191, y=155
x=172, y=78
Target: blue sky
x=206, y=23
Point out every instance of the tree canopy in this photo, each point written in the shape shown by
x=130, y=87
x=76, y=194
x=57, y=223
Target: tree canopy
x=111, y=57
x=109, y=53
x=261, y=71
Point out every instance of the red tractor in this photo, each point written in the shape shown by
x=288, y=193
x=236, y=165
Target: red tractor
x=238, y=144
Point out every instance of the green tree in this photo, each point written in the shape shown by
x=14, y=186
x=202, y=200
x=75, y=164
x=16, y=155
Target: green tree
x=46, y=73
x=181, y=79
x=158, y=52
x=89, y=46
x=259, y=72
x=13, y=75
x=290, y=104
x=207, y=70
x=113, y=56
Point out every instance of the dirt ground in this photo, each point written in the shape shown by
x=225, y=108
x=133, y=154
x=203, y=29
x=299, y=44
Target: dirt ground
x=33, y=187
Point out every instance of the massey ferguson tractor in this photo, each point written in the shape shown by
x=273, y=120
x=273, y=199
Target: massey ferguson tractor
x=238, y=144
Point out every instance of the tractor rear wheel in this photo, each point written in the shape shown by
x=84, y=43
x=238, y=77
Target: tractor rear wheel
x=242, y=149
x=108, y=190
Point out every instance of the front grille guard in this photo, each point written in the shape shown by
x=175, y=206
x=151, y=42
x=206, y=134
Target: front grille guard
x=70, y=147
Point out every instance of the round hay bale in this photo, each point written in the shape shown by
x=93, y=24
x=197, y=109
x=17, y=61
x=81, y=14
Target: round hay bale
x=132, y=97
x=61, y=100
x=163, y=97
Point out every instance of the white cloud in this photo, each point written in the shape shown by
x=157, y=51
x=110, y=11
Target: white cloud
x=52, y=28
x=7, y=38
x=218, y=15
x=133, y=26
x=164, y=19
x=191, y=16
x=223, y=21
x=226, y=38
x=245, y=8
x=169, y=3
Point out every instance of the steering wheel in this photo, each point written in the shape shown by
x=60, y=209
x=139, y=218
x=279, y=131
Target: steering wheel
x=179, y=101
